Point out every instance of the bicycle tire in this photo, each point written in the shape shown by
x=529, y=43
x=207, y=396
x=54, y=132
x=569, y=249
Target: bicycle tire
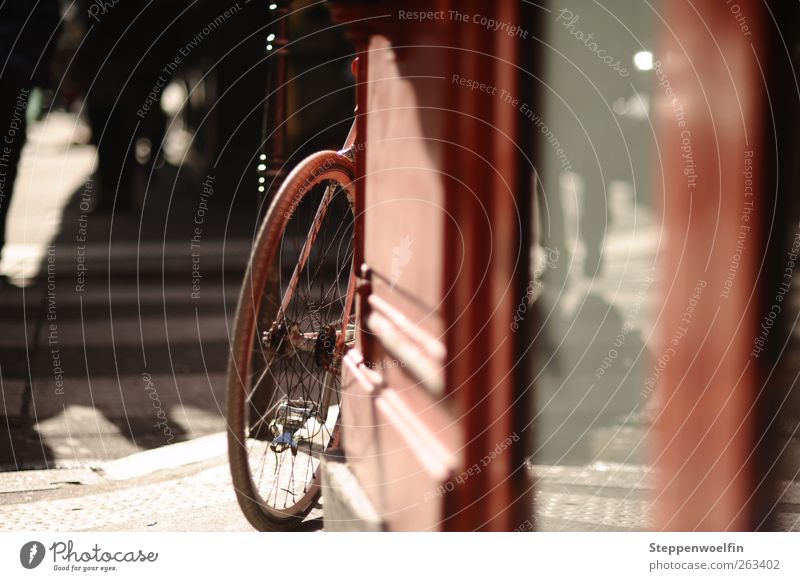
x=319, y=170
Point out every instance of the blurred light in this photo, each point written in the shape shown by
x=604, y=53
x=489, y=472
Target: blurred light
x=173, y=98
x=273, y=6
x=620, y=106
x=271, y=37
x=637, y=106
x=269, y=47
x=142, y=150
x=261, y=167
x=260, y=188
x=643, y=60
x=262, y=157
x=261, y=180
x=177, y=142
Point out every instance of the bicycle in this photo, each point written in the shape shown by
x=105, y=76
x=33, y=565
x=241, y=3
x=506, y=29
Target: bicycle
x=293, y=327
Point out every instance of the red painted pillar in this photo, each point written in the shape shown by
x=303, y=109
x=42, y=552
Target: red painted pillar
x=710, y=109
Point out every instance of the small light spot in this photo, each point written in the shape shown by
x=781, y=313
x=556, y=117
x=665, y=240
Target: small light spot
x=643, y=60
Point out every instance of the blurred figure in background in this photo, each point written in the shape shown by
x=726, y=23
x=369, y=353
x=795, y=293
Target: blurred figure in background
x=28, y=31
x=129, y=52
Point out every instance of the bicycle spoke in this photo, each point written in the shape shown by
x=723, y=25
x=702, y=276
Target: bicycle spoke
x=292, y=397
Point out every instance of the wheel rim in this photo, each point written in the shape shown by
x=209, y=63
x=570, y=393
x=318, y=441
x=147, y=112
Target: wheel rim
x=294, y=356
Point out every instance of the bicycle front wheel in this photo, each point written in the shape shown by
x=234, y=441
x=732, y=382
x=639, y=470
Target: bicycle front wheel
x=293, y=326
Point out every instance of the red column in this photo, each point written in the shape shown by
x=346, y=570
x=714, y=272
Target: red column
x=710, y=109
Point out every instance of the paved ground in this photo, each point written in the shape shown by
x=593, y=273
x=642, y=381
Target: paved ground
x=128, y=494
x=186, y=487
x=181, y=487
x=617, y=497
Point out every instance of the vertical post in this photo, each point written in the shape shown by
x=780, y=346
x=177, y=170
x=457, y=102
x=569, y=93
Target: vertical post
x=485, y=378
x=270, y=170
x=272, y=161
x=711, y=112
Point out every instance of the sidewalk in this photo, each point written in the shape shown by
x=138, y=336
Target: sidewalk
x=187, y=487
x=158, y=490
x=182, y=487
x=618, y=497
